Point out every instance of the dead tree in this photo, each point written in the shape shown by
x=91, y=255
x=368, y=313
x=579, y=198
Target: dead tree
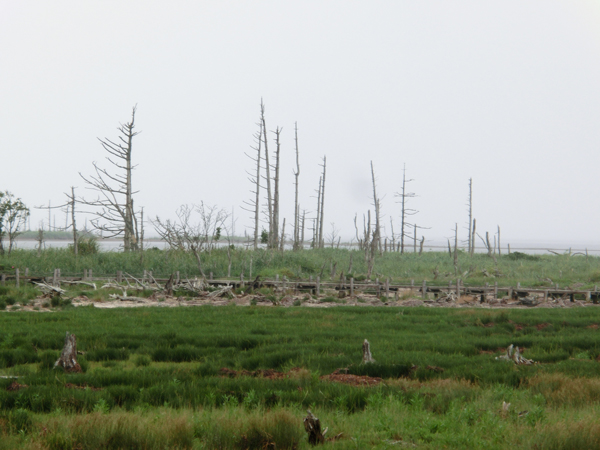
x=405, y=211
x=114, y=209
x=188, y=235
x=267, y=176
x=322, y=206
x=68, y=356
x=254, y=205
x=296, y=245
x=376, y=203
x=470, y=209
x=275, y=220
x=473, y=233
x=70, y=207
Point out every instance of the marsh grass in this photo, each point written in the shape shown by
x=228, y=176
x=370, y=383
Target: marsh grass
x=433, y=267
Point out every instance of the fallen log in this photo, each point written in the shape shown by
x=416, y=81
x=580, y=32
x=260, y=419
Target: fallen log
x=513, y=354
x=48, y=289
x=220, y=292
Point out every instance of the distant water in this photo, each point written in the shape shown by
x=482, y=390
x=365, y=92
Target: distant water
x=531, y=247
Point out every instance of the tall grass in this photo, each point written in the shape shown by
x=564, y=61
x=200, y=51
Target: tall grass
x=434, y=267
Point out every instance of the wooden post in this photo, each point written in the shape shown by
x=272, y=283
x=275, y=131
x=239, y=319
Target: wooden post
x=150, y=276
x=242, y=279
x=518, y=285
x=458, y=288
x=412, y=284
x=510, y=292
x=58, y=278
x=210, y=276
x=26, y=271
x=397, y=295
x=588, y=296
x=495, y=289
x=119, y=276
x=17, y=277
x=546, y=295
x=387, y=287
x=177, y=277
x=284, y=283
x=3, y=279
x=424, y=290
x=54, y=278
x=318, y=285
x=144, y=276
x=352, y=287
x=556, y=286
x=378, y=287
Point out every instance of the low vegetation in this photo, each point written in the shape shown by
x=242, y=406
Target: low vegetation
x=152, y=378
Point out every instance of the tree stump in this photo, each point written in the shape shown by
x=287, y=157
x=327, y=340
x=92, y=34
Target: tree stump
x=68, y=357
x=367, y=357
x=312, y=425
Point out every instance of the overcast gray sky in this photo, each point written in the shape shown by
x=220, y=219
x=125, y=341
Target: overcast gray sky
x=506, y=92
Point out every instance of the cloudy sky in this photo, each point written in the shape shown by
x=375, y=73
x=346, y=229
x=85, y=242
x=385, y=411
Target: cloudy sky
x=506, y=92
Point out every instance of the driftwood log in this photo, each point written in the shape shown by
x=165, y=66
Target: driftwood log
x=367, y=357
x=513, y=354
x=312, y=425
x=68, y=356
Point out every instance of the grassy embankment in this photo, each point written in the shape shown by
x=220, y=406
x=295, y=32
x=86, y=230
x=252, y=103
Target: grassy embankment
x=433, y=267
x=152, y=379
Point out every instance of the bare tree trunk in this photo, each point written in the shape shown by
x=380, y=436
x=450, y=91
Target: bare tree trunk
x=421, y=245
x=499, y=247
x=455, y=247
x=275, y=234
x=257, y=198
x=75, y=250
x=321, y=241
x=415, y=239
x=377, y=232
x=473, y=234
x=282, y=240
x=487, y=241
x=470, y=215
x=316, y=238
x=302, y=232
x=268, y=173
x=296, y=206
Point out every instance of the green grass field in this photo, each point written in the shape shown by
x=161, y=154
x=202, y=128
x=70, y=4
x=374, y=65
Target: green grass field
x=152, y=378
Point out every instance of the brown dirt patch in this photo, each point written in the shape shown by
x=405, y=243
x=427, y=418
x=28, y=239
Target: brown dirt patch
x=267, y=373
x=541, y=326
x=593, y=326
x=352, y=380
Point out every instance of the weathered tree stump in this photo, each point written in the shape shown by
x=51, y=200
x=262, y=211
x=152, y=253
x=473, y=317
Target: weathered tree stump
x=367, y=357
x=312, y=425
x=169, y=286
x=68, y=357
